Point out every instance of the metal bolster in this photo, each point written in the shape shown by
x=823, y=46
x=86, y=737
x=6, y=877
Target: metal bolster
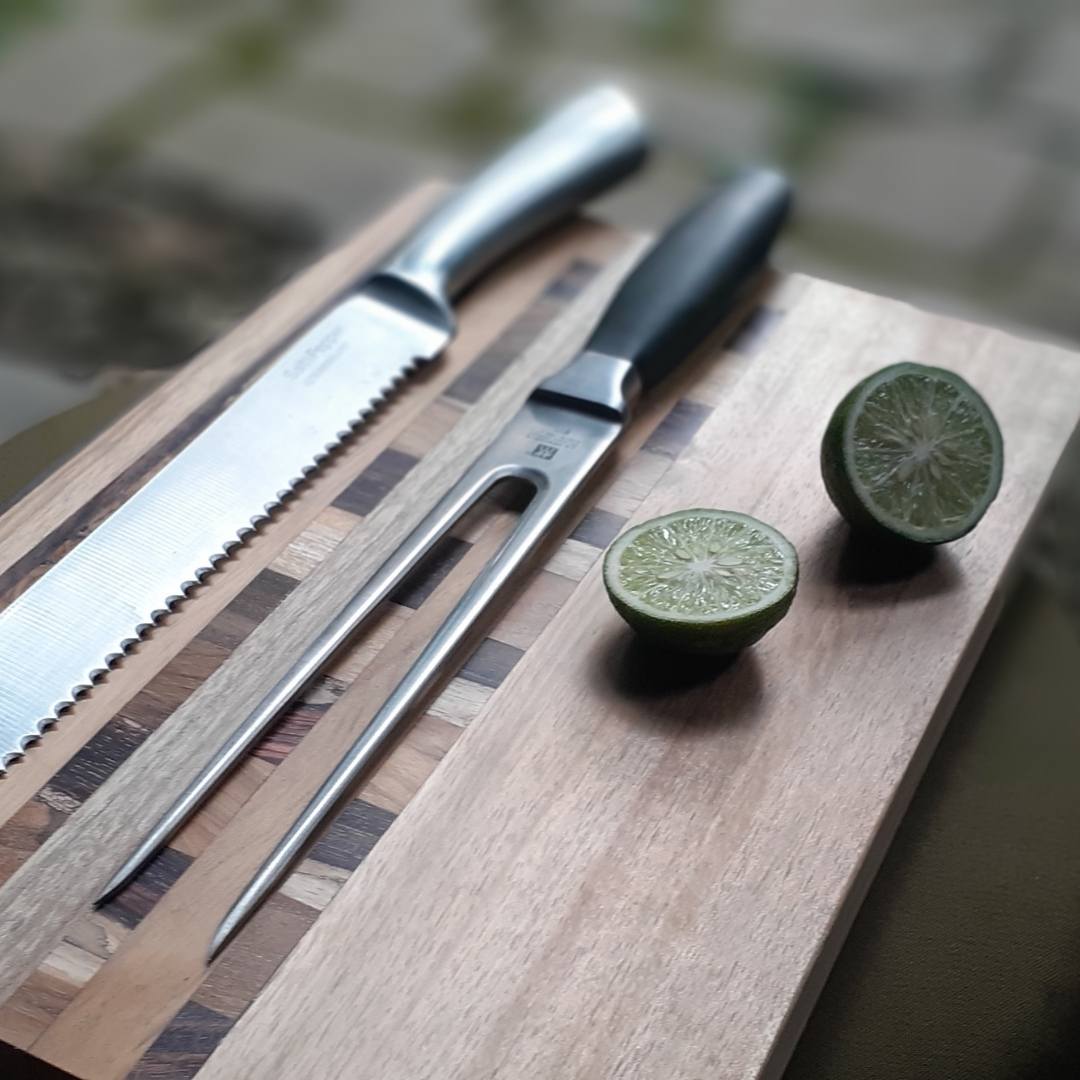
x=593, y=382
x=415, y=294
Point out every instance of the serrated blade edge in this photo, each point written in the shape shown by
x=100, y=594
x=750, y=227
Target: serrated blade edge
x=84, y=613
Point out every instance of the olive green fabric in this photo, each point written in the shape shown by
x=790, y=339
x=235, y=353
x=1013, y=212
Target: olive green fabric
x=964, y=962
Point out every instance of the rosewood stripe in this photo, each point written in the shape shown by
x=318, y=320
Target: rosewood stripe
x=248, y=608
x=285, y=736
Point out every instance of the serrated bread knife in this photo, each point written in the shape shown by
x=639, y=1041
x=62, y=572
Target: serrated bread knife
x=683, y=288
x=66, y=630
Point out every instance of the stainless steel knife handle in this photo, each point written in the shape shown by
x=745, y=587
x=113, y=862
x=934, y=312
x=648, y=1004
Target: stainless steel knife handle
x=578, y=152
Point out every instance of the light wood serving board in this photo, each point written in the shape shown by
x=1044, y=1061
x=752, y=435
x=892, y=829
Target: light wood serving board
x=590, y=863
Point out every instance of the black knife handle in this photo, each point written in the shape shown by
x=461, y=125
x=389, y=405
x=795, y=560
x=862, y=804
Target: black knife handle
x=689, y=281
x=580, y=151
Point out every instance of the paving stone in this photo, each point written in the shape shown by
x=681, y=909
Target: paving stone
x=1047, y=293
x=699, y=129
x=708, y=121
x=392, y=47
x=57, y=81
x=948, y=186
x=340, y=179
x=650, y=199
x=29, y=393
x=868, y=40
x=1052, y=78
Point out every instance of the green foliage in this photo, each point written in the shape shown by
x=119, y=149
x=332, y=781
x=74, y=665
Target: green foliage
x=19, y=15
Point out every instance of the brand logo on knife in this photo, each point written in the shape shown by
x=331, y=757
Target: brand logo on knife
x=313, y=353
x=548, y=442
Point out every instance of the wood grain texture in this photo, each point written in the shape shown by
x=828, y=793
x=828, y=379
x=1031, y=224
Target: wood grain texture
x=628, y=867
x=195, y=1008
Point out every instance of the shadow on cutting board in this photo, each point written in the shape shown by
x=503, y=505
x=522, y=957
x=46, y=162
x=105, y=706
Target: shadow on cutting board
x=668, y=687
x=871, y=573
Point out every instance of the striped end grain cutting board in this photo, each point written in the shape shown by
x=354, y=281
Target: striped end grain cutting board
x=451, y=954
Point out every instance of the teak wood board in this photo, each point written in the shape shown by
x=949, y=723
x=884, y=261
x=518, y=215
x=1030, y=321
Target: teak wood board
x=599, y=864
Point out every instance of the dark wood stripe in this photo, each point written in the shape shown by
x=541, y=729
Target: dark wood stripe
x=171, y=687
x=375, y=482
x=598, y=528
x=298, y=720
x=352, y=835
x=26, y=830
x=491, y=663
x=432, y=570
x=677, y=430
x=80, y=777
x=183, y=1047
x=285, y=736
x=758, y=325
x=134, y=903
x=472, y=383
x=248, y=608
x=569, y=285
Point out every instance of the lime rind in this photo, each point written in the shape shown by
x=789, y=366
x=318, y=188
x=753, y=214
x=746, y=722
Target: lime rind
x=701, y=580
x=913, y=453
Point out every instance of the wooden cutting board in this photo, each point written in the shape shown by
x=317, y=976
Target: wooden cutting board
x=599, y=865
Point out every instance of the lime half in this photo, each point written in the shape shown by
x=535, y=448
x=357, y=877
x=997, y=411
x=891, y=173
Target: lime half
x=703, y=581
x=913, y=452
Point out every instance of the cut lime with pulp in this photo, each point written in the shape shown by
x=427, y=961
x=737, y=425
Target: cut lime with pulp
x=914, y=453
x=703, y=581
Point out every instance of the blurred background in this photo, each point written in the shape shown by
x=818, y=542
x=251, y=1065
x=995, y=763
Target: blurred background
x=164, y=164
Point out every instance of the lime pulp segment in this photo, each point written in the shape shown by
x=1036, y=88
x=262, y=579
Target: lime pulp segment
x=700, y=566
x=702, y=580
x=923, y=452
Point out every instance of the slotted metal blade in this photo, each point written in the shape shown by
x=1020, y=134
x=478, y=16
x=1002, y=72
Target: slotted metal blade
x=72, y=624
